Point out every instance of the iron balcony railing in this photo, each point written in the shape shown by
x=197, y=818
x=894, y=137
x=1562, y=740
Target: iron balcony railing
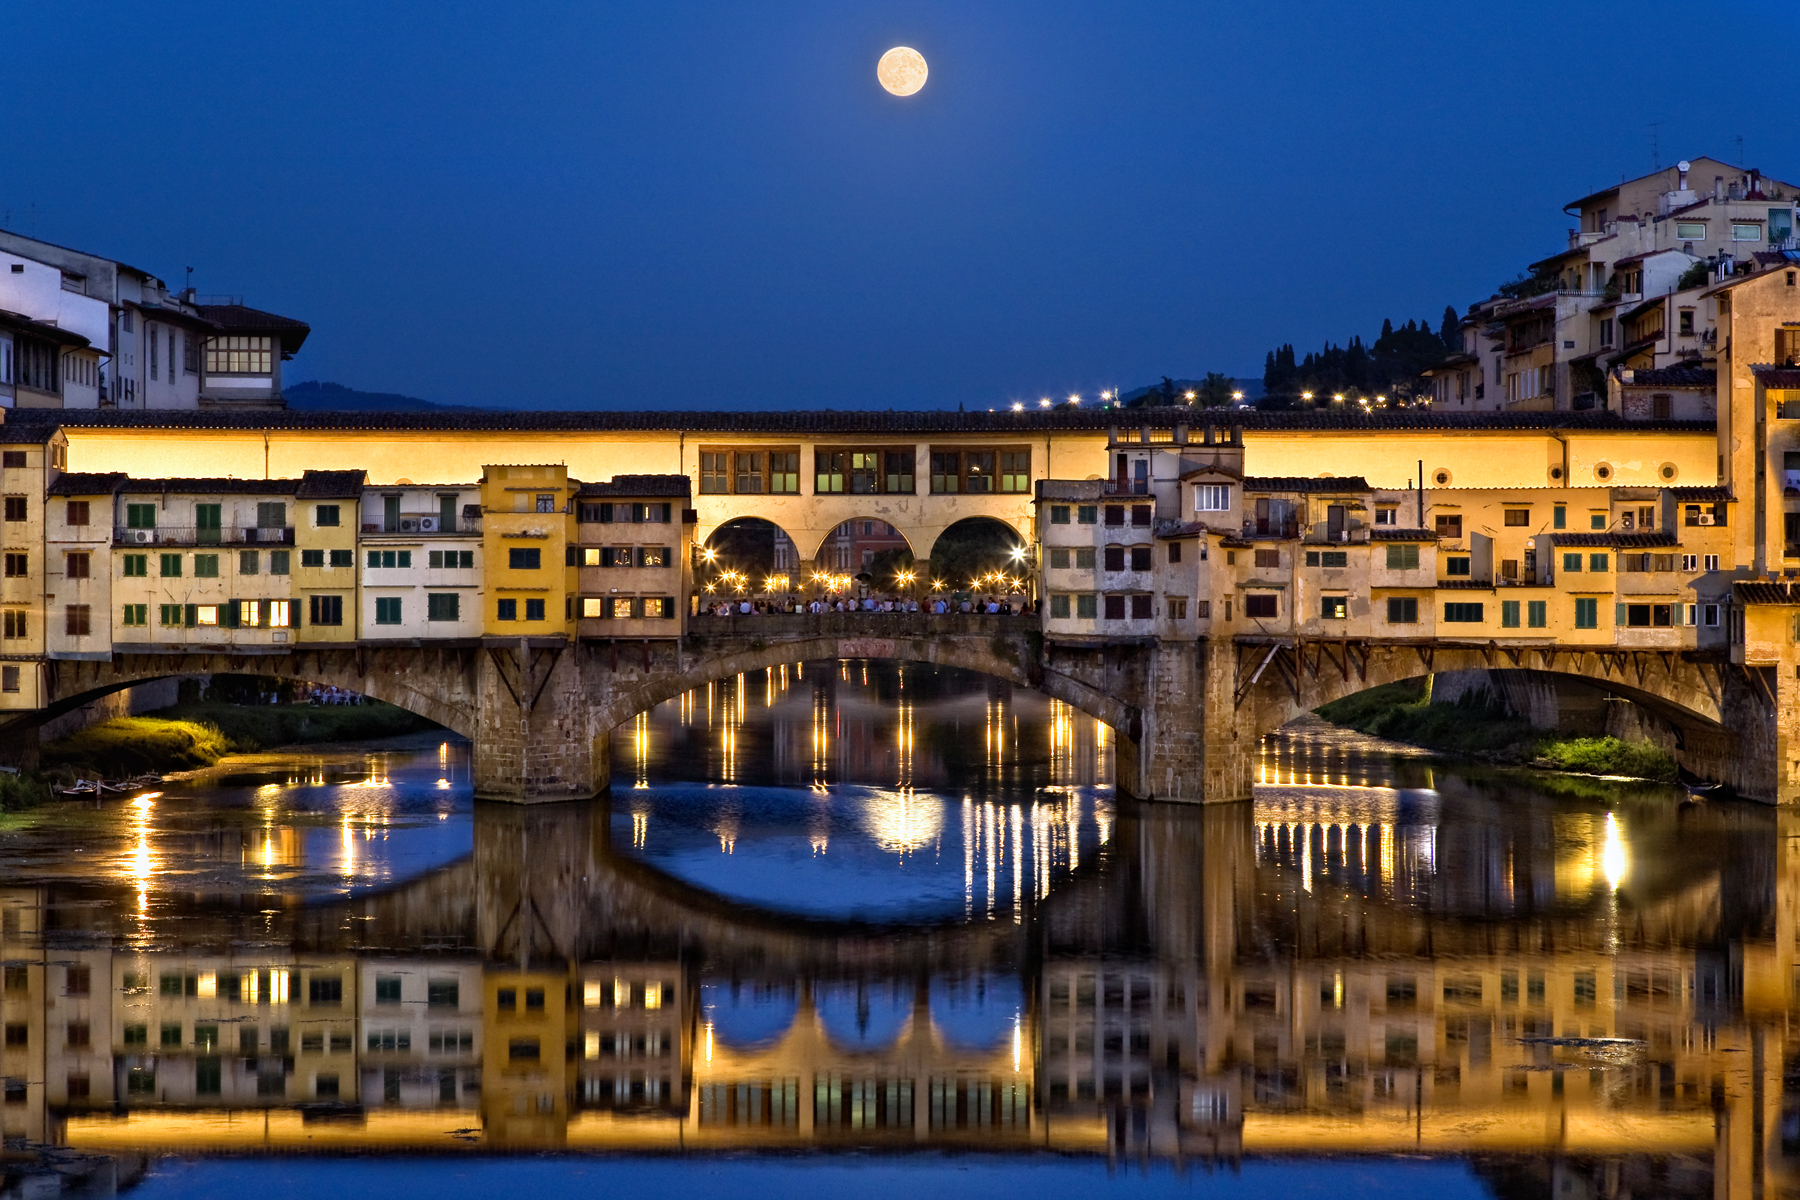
x=193, y=535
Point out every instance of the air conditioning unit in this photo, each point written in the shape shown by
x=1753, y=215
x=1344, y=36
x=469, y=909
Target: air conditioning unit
x=428, y=524
x=143, y=535
x=1704, y=519
x=409, y=524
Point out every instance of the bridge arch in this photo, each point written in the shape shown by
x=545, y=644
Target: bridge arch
x=969, y=548
x=986, y=645
x=844, y=549
x=756, y=547
x=438, y=685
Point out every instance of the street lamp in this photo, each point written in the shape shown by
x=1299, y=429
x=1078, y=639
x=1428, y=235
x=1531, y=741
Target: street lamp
x=1236, y=396
x=1018, y=407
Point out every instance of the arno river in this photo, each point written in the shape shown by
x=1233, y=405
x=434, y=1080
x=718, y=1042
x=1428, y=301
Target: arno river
x=845, y=910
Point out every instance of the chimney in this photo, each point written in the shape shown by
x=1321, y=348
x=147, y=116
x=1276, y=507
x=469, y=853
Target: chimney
x=1718, y=187
x=1682, y=167
x=1181, y=433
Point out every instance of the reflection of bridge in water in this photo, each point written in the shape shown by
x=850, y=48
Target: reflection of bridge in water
x=1332, y=968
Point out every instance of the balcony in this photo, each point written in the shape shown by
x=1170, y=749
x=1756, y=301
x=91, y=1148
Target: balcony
x=192, y=535
x=422, y=525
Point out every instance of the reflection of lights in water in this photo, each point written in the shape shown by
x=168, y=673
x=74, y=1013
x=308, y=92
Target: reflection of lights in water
x=143, y=863
x=903, y=821
x=1018, y=864
x=640, y=829
x=591, y=1044
x=968, y=857
x=709, y=1041
x=640, y=747
x=1337, y=990
x=1612, y=854
x=621, y=993
x=1018, y=1044
x=443, y=753
x=727, y=832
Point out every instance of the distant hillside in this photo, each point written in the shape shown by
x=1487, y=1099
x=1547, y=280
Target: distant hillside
x=314, y=396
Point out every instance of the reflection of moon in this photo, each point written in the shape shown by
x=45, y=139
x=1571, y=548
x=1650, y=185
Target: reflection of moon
x=901, y=70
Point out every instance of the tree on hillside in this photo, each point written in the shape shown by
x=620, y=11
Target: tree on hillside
x=1390, y=367
x=1215, y=390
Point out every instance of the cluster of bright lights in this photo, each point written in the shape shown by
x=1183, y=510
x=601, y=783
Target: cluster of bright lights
x=997, y=579
x=829, y=582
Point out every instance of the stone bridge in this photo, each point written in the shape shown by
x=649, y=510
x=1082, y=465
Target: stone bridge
x=1188, y=714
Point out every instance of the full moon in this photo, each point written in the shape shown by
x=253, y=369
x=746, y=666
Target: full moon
x=901, y=70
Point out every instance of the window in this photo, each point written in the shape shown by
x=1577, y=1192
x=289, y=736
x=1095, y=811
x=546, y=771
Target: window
x=828, y=472
x=1690, y=231
x=591, y=606
x=1690, y=562
x=271, y=514
x=343, y=558
x=534, y=610
x=521, y=559
x=1509, y=614
x=1115, y=608
x=1537, y=613
x=1709, y=615
x=1085, y=606
x=280, y=614
x=135, y=614
x=1571, y=562
x=76, y=564
x=1456, y=565
x=387, y=989
x=1059, y=558
x=325, y=516
x=9, y=682
x=655, y=556
x=16, y=508
x=206, y=566
x=77, y=620
x=1606, y=331
x=326, y=610
x=1745, y=232
x=238, y=355
x=325, y=989
x=1402, y=556
x=312, y=558
x=1059, y=514
x=1646, y=616
x=1177, y=608
x=1450, y=527
x=946, y=472
x=1212, y=497
x=387, y=610
x=140, y=516
x=18, y=566
x=1268, y=558
x=135, y=566
x=1115, y=516
x=1328, y=558
x=169, y=614
x=1334, y=608
x=784, y=473
x=1711, y=562
x=1174, y=552
x=12, y=623
x=171, y=566
x=11, y=460
x=78, y=512
x=1518, y=516
x=1587, y=613
x=1084, y=558
x=1015, y=470
x=278, y=562
x=391, y=559
x=1462, y=614
x=506, y=610
x=1597, y=562
x=1403, y=610
x=1559, y=517
x=1260, y=604
x=1059, y=607
x=747, y=466
x=619, y=608
x=1087, y=514
x=249, y=562
x=715, y=478
x=1142, y=558
x=1387, y=516
x=1596, y=520
x=1115, y=558
x=978, y=466
x=441, y=606
x=204, y=614
x=1141, y=608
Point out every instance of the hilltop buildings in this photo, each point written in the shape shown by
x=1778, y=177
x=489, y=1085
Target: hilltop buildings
x=79, y=331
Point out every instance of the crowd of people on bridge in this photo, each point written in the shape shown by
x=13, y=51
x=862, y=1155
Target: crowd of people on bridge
x=937, y=605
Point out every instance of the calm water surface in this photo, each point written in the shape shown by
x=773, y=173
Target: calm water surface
x=885, y=929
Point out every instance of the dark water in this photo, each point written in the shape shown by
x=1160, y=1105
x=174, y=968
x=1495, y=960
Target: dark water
x=884, y=930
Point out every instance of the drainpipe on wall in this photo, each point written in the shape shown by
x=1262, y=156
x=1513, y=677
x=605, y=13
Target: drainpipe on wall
x=1421, y=485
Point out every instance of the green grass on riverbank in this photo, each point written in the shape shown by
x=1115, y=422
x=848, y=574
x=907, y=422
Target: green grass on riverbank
x=198, y=734
x=1403, y=713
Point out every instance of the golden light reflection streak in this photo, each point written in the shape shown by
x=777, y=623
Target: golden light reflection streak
x=640, y=745
x=1612, y=854
x=143, y=861
x=1018, y=865
x=969, y=836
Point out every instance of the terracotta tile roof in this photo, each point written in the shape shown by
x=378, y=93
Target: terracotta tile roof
x=1683, y=376
x=640, y=485
x=331, y=485
x=1302, y=483
x=209, y=487
x=87, y=483
x=1766, y=593
x=1778, y=377
x=1463, y=585
x=1711, y=491
x=1387, y=533
x=239, y=318
x=1621, y=541
x=827, y=421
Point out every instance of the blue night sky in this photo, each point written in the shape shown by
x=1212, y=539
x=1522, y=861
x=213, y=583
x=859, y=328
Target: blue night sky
x=688, y=204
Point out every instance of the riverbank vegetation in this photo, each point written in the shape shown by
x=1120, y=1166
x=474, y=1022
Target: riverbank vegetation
x=199, y=733
x=1403, y=712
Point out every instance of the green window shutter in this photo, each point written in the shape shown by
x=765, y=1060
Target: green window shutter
x=229, y=614
x=406, y=558
x=1509, y=614
x=192, y=615
x=1618, y=614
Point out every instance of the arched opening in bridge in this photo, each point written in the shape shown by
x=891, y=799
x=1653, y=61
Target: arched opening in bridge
x=981, y=556
x=865, y=555
x=748, y=557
